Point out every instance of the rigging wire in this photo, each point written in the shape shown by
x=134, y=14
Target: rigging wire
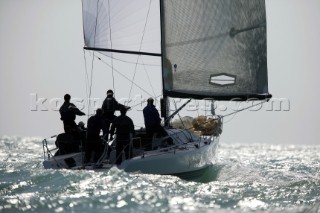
x=223, y=116
x=106, y=63
x=144, y=29
x=156, y=97
x=90, y=86
x=124, y=76
x=262, y=102
x=92, y=62
x=175, y=105
x=234, y=115
x=129, y=62
x=86, y=78
x=110, y=32
x=145, y=70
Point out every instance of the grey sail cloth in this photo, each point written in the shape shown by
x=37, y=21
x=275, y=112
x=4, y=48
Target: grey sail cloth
x=210, y=48
x=215, y=48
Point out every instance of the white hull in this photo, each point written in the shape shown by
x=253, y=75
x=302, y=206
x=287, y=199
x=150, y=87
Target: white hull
x=174, y=161
x=64, y=161
x=190, y=153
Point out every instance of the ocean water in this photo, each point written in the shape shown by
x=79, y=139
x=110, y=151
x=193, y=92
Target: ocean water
x=245, y=178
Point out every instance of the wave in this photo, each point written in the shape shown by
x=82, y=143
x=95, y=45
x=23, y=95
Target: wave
x=244, y=178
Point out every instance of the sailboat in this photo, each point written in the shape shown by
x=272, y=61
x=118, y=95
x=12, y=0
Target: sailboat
x=213, y=50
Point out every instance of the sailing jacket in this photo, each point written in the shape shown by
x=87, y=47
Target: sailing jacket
x=109, y=106
x=68, y=112
x=123, y=125
x=151, y=116
x=95, y=125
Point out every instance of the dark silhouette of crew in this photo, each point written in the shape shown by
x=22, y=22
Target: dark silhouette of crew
x=109, y=106
x=67, y=143
x=152, y=122
x=81, y=126
x=68, y=112
x=72, y=138
x=124, y=129
x=94, y=145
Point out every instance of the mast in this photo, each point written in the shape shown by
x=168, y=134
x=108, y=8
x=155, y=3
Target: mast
x=164, y=104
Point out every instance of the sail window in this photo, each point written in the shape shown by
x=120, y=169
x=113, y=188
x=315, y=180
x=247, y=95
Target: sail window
x=222, y=79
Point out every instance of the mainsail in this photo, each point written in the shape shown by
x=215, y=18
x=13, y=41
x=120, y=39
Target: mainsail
x=209, y=48
x=125, y=26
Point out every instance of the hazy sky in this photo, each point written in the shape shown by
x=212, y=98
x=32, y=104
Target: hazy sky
x=41, y=56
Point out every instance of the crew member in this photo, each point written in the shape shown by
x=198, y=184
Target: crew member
x=109, y=106
x=124, y=129
x=94, y=146
x=68, y=112
x=152, y=121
